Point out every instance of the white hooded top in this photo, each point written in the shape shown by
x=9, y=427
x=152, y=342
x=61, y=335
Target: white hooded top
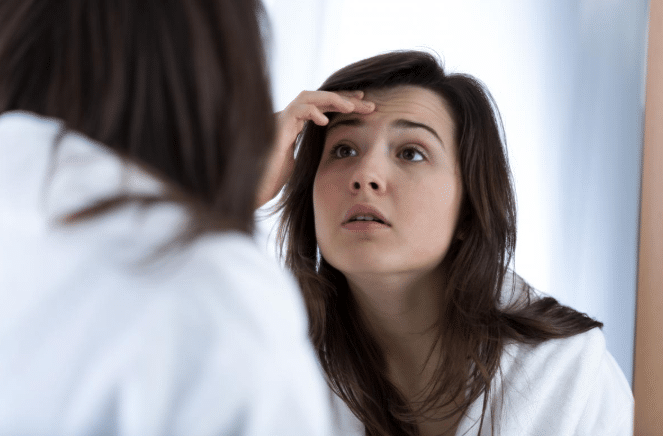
x=205, y=340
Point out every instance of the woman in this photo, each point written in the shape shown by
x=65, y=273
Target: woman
x=133, y=300
x=400, y=236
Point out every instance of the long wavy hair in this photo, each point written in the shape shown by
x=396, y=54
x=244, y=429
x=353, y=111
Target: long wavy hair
x=179, y=87
x=479, y=315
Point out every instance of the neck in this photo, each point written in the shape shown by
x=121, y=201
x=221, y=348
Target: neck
x=401, y=312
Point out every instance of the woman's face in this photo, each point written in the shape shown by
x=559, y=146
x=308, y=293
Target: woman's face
x=401, y=161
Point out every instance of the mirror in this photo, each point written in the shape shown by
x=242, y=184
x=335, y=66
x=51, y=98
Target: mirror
x=568, y=77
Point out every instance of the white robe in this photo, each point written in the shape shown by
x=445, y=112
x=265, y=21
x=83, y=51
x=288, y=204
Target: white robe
x=207, y=340
x=561, y=387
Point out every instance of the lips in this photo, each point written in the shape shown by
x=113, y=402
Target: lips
x=363, y=209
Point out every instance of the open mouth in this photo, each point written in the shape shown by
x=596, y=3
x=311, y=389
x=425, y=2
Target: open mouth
x=365, y=225
x=366, y=219
x=365, y=214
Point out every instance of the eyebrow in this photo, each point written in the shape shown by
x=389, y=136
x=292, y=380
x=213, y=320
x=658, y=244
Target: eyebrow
x=399, y=123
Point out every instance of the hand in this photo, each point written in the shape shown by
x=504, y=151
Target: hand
x=308, y=106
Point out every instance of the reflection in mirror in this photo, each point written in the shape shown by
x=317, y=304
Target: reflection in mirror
x=568, y=77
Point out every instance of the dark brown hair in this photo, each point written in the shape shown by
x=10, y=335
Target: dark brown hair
x=178, y=86
x=474, y=324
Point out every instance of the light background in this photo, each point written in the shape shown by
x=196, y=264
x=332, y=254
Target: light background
x=568, y=78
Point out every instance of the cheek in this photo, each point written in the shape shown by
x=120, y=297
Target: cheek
x=326, y=188
x=328, y=204
x=432, y=210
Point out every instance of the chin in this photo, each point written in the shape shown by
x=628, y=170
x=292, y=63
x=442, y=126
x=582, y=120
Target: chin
x=361, y=263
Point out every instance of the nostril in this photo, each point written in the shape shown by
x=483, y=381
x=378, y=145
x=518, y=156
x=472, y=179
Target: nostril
x=373, y=185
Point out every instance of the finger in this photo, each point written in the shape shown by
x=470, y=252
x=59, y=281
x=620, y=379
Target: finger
x=327, y=101
x=356, y=97
x=355, y=105
x=363, y=106
x=307, y=112
x=315, y=114
x=358, y=105
x=356, y=93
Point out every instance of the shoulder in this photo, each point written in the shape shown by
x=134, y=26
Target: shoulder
x=210, y=335
x=586, y=349
x=232, y=332
x=19, y=124
x=232, y=270
x=565, y=386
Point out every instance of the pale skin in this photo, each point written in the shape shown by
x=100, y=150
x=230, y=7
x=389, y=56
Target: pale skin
x=308, y=106
x=400, y=157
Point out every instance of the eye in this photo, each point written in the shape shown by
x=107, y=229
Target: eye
x=341, y=150
x=410, y=153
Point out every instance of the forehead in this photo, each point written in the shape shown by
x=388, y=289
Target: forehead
x=411, y=102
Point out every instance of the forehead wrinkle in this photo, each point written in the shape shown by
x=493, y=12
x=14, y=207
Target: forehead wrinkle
x=410, y=112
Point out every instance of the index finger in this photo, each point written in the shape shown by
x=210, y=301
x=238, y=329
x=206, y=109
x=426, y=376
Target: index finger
x=341, y=101
x=357, y=93
x=355, y=98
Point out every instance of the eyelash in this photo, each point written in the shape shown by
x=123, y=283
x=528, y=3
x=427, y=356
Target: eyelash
x=335, y=148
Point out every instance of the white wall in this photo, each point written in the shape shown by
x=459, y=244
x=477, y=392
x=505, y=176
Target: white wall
x=568, y=77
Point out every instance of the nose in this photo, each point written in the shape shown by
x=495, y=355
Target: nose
x=369, y=175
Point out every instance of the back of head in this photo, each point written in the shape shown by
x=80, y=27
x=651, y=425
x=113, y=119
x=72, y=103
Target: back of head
x=177, y=86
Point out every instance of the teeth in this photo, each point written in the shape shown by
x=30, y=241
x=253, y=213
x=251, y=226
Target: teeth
x=365, y=218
